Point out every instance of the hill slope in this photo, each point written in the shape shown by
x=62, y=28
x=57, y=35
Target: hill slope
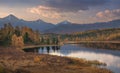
x=95, y=35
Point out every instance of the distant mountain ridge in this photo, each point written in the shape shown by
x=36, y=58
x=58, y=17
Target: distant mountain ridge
x=38, y=24
x=73, y=27
x=60, y=28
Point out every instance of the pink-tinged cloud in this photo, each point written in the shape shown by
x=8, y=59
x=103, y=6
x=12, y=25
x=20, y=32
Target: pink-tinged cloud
x=43, y=11
x=2, y=14
x=109, y=14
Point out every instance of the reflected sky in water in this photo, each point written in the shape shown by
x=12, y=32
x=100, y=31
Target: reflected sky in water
x=110, y=57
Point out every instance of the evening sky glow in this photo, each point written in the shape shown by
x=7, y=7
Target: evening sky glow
x=54, y=11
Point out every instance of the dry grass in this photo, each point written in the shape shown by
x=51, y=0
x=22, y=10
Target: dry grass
x=37, y=59
x=1, y=70
x=36, y=63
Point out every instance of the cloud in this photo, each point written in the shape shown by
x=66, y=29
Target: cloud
x=109, y=14
x=72, y=5
x=3, y=13
x=61, y=5
x=43, y=11
x=58, y=8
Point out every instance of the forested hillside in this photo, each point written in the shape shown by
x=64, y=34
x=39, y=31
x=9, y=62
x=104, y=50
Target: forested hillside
x=95, y=35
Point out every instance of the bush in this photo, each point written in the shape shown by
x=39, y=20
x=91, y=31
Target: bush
x=37, y=59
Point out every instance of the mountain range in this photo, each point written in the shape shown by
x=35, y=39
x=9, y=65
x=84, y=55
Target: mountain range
x=62, y=27
x=37, y=24
x=68, y=27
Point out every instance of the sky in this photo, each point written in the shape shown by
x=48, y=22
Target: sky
x=55, y=11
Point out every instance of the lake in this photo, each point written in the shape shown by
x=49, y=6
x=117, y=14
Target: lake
x=110, y=57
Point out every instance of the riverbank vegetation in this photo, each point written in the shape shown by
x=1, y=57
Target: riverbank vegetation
x=110, y=46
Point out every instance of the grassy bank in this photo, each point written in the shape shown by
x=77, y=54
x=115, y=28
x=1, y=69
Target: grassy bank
x=16, y=61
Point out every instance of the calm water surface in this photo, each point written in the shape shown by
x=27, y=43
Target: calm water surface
x=110, y=57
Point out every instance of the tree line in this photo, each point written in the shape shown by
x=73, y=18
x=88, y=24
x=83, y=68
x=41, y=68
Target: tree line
x=8, y=33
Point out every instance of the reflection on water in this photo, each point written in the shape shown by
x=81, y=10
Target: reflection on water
x=110, y=57
x=43, y=50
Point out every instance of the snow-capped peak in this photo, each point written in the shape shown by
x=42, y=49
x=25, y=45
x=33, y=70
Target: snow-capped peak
x=11, y=18
x=64, y=22
x=39, y=20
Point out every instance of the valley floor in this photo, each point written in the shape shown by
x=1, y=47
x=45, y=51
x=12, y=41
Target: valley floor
x=16, y=61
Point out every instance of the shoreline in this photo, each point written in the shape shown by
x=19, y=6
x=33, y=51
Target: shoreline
x=14, y=60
